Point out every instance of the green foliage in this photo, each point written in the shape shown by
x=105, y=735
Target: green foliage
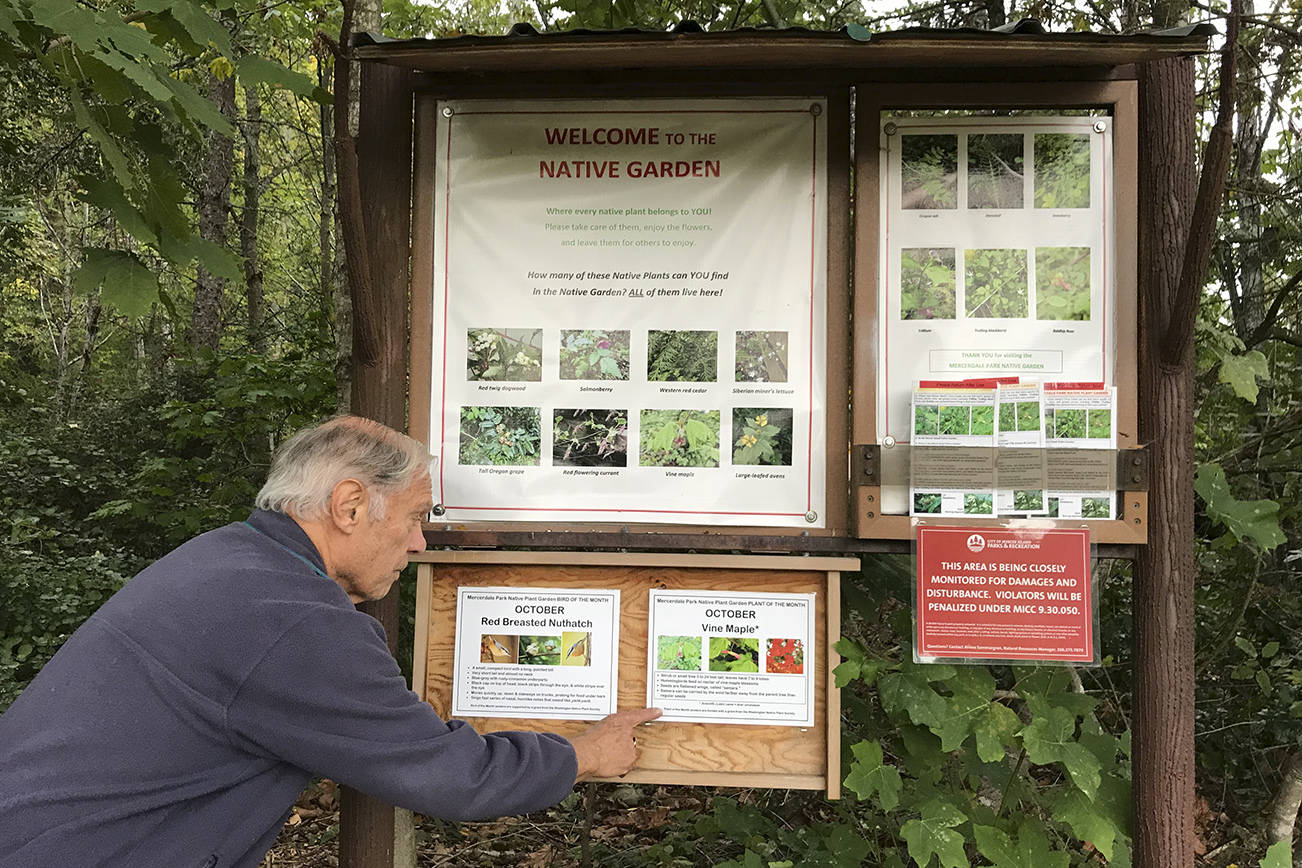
x=679, y=438
x=1062, y=283
x=513, y=355
x=1068, y=423
x=983, y=420
x=978, y=504
x=929, y=171
x=1278, y=855
x=995, y=170
x=955, y=420
x=733, y=654
x=1028, y=501
x=1062, y=170
x=678, y=652
x=500, y=435
x=926, y=419
x=682, y=356
x=593, y=354
x=995, y=282
x=1249, y=520
x=926, y=502
x=927, y=283
x=765, y=435
x=1243, y=371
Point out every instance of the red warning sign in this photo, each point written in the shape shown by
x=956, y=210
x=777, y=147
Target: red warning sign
x=1004, y=594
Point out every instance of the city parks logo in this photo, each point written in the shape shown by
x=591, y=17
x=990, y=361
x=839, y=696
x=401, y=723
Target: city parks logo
x=976, y=542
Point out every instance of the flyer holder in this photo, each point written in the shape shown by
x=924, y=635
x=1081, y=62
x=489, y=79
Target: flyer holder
x=1023, y=592
x=734, y=750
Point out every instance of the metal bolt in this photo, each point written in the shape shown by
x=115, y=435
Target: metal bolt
x=888, y=441
x=1135, y=461
x=1136, y=521
x=1100, y=126
x=815, y=109
x=811, y=516
x=890, y=129
x=1135, y=477
x=870, y=515
x=447, y=111
x=439, y=509
x=870, y=498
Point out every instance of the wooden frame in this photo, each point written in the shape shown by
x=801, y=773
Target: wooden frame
x=669, y=753
x=838, y=503
x=1121, y=98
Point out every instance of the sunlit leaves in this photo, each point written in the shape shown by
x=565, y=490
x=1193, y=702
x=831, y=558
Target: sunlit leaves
x=870, y=775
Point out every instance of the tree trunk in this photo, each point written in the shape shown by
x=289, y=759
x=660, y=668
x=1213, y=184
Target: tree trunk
x=1247, y=293
x=214, y=204
x=249, y=219
x=1287, y=801
x=1164, y=571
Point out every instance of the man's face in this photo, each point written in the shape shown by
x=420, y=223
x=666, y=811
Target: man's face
x=379, y=549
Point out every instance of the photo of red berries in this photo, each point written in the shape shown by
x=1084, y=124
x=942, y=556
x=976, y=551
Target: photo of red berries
x=785, y=657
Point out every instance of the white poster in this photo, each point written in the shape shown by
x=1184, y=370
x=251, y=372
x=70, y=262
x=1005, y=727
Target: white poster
x=996, y=255
x=531, y=652
x=731, y=657
x=629, y=311
x=952, y=469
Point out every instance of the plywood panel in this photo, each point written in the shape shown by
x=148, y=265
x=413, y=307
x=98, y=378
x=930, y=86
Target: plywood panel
x=717, y=754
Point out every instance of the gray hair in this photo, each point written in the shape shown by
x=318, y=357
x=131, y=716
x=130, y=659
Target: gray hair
x=306, y=469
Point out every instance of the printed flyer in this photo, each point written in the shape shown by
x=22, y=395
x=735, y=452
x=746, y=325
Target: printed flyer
x=1020, y=466
x=1000, y=594
x=732, y=657
x=531, y=652
x=953, y=460
x=1080, y=437
x=995, y=258
x=630, y=311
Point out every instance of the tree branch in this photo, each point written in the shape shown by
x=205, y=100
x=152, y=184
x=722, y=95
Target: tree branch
x=1177, y=341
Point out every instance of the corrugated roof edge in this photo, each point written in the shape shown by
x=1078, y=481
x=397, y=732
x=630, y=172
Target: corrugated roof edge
x=856, y=32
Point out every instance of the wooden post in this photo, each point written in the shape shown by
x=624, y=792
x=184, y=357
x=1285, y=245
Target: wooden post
x=1165, y=571
x=379, y=387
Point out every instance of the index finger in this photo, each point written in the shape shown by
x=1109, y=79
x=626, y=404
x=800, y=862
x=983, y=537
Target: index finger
x=637, y=716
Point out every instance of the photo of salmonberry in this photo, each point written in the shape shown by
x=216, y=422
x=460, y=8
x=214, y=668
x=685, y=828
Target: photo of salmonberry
x=785, y=657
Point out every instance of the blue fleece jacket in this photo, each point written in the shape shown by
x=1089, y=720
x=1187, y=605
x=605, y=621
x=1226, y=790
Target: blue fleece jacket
x=176, y=727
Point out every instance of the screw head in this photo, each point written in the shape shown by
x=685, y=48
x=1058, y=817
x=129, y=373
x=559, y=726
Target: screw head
x=888, y=441
x=890, y=129
x=811, y=516
x=447, y=111
x=439, y=509
x=1100, y=126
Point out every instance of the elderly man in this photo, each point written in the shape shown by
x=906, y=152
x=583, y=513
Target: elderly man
x=176, y=727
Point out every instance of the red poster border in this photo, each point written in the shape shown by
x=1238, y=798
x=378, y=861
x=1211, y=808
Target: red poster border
x=813, y=257
x=1088, y=603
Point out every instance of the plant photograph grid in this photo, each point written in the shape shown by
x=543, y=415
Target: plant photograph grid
x=994, y=173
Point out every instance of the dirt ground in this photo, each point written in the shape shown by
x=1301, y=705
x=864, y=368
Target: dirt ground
x=623, y=820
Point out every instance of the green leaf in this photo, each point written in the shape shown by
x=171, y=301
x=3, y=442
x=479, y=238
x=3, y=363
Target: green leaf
x=254, y=68
x=1242, y=373
x=1255, y=520
x=1278, y=855
x=994, y=729
x=1087, y=822
x=108, y=146
x=869, y=774
x=128, y=285
x=1031, y=850
x=201, y=26
x=933, y=835
x=109, y=195
x=911, y=693
x=1245, y=646
x=198, y=108
x=1051, y=738
x=698, y=433
x=609, y=366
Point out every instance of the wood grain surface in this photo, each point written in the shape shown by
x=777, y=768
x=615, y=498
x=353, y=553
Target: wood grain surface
x=673, y=753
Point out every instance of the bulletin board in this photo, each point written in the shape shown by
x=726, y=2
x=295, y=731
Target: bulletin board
x=679, y=753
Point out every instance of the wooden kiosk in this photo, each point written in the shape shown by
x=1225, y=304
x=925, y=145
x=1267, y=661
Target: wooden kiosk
x=1125, y=79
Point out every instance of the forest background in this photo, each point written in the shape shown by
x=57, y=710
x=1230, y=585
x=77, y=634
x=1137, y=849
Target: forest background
x=173, y=303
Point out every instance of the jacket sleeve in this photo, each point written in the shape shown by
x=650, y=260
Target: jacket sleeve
x=329, y=698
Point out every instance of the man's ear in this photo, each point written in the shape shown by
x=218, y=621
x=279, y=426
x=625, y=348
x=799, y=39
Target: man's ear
x=348, y=503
